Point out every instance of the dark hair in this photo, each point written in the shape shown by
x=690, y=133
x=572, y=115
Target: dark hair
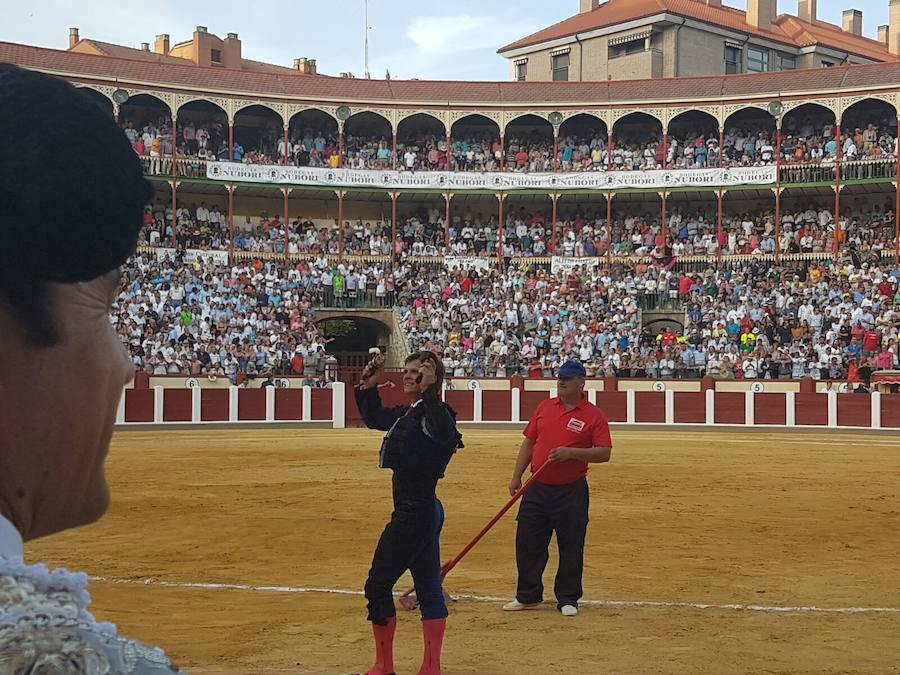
x=432, y=358
x=72, y=195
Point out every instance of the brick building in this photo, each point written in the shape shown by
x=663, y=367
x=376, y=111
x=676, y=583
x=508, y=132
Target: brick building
x=637, y=39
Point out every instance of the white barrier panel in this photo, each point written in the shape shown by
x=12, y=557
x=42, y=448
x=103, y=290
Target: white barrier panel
x=338, y=405
x=120, y=410
x=749, y=408
x=476, y=405
x=516, y=404
x=629, y=406
x=832, y=408
x=196, y=405
x=270, y=404
x=158, y=393
x=670, y=406
x=306, y=415
x=876, y=410
x=232, y=404
x=710, y=406
x=790, y=409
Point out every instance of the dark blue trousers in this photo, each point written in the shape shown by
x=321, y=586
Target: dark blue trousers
x=410, y=541
x=546, y=509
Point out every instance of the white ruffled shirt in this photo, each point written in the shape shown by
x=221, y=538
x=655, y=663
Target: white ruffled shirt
x=11, y=545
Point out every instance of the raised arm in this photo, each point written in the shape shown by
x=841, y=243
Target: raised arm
x=374, y=414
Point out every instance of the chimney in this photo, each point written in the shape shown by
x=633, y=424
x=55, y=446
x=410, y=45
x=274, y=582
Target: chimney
x=894, y=30
x=587, y=6
x=145, y=46
x=201, y=29
x=760, y=14
x=883, y=35
x=231, y=51
x=305, y=65
x=73, y=37
x=161, y=44
x=806, y=10
x=714, y=3
x=853, y=21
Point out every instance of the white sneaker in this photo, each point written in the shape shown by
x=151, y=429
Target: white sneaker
x=516, y=606
x=569, y=610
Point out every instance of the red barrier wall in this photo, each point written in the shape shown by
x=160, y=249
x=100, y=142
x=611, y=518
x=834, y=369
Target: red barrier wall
x=730, y=407
x=770, y=409
x=214, y=405
x=289, y=404
x=529, y=402
x=690, y=407
x=890, y=411
x=614, y=405
x=138, y=405
x=854, y=410
x=496, y=406
x=177, y=405
x=463, y=402
x=322, y=404
x=649, y=406
x=252, y=404
x=811, y=409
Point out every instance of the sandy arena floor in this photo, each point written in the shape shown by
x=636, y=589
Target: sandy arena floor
x=775, y=521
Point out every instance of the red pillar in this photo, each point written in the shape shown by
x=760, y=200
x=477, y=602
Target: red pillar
x=837, y=185
x=555, y=151
x=340, y=196
x=447, y=197
x=897, y=209
x=501, y=239
x=609, y=152
x=664, y=230
x=174, y=213
x=286, y=147
x=502, y=153
x=231, y=189
x=665, y=142
x=394, y=197
x=450, y=153
x=721, y=148
x=231, y=141
x=394, y=150
x=554, y=197
x=720, y=225
x=341, y=146
x=609, y=198
x=777, y=222
x=175, y=150
x=287, y=238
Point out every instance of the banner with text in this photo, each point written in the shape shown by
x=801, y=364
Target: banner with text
x=567, y=265
x=449, y=180
x=466, y=262
x=194, y=255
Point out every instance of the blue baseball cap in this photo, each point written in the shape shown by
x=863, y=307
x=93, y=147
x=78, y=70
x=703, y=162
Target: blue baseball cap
x=572, y=369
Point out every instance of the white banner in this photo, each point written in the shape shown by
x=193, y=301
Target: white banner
x=194, y=255
x=566, y=265
x=466, y=262
x=449, y=180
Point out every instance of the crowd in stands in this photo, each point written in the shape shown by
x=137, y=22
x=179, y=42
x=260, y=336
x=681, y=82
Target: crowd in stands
x=829, y=322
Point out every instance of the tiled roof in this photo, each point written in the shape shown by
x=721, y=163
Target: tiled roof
x=786, y=29
x=137, y=73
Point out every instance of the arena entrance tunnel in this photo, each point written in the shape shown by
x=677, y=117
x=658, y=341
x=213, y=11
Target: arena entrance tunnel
x=352, y=334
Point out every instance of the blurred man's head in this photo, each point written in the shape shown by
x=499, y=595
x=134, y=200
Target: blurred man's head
x=72, y=197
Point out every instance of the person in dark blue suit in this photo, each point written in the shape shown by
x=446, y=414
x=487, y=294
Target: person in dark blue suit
x=421, y=439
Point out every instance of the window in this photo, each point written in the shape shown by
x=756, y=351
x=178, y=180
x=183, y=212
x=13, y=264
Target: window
x=560, y=66
x=732, y=60
x=785, y=61
x=627, y=48
x=757, y=60
x=827, y=64
x=215, y=55
x=521, y=70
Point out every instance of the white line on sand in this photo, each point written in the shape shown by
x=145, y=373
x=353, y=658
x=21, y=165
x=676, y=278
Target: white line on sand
x=659, y=604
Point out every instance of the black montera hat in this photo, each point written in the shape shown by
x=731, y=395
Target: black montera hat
x=72, y=192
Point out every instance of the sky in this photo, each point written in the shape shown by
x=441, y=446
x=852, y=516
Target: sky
x=421, y=39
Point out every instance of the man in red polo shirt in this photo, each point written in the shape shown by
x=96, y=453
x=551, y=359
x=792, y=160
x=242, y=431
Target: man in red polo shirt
x=571, y=432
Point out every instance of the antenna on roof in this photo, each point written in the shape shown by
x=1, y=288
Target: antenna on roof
x=368, y=27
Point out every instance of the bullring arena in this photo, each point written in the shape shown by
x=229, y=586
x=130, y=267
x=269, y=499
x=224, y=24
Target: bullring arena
x=721, y=252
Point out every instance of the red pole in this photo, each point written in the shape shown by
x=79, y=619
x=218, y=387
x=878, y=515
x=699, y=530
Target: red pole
x=777, y=222
x=394, y=151
x=341, y=146
x=502, y=154
x=286, y=146
x=897, y=209
x=665, y=142
x=721, y=148
x=555, y=152
x=231, y=224
x=720, y=227
x=554, y=197
x=287, y=238
x=394, y=197
x=502, y=231
x=340, y=196
x=449, y=153
x=174, y=214
x=665, y=225
x=609, y=197
x=837, y=187
x=231, y=141
x=609, y=152
x=450, y=564
x=447, y=197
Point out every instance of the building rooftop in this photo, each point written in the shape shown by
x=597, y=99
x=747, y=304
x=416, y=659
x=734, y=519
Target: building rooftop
x=786, y=28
